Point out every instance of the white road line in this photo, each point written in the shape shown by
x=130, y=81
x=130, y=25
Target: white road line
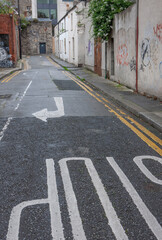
x=5, y=127
x=56, y=222
x=23, y=96
x=10, y=118
x=14, y=223
x=76, y=222
x=143, y=168
x=145, y=212
x=52, y=200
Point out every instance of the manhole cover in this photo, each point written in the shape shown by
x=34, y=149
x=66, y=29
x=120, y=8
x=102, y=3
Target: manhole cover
x=67, y=85
x=5, y=96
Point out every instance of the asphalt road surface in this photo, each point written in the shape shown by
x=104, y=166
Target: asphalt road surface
x=72, y=164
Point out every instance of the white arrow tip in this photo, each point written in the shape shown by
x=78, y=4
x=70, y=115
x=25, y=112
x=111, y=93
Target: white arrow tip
x=42, y=115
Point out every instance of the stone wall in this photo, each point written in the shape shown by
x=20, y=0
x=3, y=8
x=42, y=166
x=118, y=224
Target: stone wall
x=33, y=35
x=25, y=7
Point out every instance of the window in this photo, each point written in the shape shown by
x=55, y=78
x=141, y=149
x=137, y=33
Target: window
x=71, y=21
x=43, y=13
x=65, y=45
x=43, y=1
x=73, y=48
x=47, y=1
x=53, y=14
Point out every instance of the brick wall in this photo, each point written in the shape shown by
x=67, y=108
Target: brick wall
x=8, y=41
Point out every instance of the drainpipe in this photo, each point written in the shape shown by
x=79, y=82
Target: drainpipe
x=105, y=60
x=19, y=29
x=137, y=41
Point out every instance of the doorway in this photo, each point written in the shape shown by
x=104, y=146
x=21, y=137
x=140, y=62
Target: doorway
x=42, y=47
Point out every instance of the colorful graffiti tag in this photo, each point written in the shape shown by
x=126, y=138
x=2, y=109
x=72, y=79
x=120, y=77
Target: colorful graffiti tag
x=158, y=31
x=122, y=55
x=5, y=57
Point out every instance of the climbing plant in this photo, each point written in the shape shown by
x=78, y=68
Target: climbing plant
x=102, y=14
x=6, y=7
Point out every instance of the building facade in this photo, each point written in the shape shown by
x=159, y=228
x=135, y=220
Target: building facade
x=131, y=56
x=42, y=15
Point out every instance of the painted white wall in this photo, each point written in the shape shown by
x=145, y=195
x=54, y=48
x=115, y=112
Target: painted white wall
x=34, y=8
x=150, y=47
x=125, y=47
x=62, y=8
x=88, y=44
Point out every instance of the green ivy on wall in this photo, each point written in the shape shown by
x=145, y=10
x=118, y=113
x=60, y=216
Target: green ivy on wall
x=102, y=13
x=6, y=7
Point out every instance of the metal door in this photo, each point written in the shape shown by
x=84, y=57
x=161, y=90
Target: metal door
x=42, y=48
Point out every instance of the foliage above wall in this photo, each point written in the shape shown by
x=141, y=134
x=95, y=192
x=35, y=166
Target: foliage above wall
x=102, y=13
x=6, y=7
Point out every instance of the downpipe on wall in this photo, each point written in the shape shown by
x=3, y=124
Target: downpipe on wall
x=137, y=41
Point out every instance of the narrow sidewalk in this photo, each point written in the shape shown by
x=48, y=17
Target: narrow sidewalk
x=148, y=109
x=4, y=72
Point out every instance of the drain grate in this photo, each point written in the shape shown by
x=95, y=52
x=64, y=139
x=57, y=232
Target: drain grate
x=67, y=85
x=5, y=96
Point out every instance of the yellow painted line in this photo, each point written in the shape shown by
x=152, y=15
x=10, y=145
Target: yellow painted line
x=55, y=64
x=135, y=130
x=80, y=82
x=151, y=135
x=12, y=76
x=9, y=77
x=143, y=129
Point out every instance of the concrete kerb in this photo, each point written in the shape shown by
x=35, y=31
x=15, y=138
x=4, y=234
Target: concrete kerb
x=135, y=110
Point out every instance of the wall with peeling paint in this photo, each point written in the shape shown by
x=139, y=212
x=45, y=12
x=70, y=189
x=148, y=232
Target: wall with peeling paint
x=150, y=47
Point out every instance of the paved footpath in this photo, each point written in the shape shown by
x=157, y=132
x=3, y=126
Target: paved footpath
x=73, y=164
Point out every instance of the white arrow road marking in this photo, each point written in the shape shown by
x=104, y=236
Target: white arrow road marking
x=45, y=114
x=77, y=228
x=146, y=214
x=52, y=200
x=143, y=168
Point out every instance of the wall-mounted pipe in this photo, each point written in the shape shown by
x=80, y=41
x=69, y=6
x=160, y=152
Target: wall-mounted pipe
x=137, y=42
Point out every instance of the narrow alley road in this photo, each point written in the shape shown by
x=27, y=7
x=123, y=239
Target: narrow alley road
x=72, y=164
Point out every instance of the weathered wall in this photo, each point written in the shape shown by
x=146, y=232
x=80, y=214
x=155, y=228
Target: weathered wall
x=125, y=47
x=150, y=47
x=8, y=43
x=25, y=7
x=89, y=45
x=32, y=36
x=62, y=8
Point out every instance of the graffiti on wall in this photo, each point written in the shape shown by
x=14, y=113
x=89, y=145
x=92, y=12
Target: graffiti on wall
x=122, y=55
x=133, y=64
x=145, y=52
x=90, y=48
x=5, y=57
x=158, y=31
x=160, y=69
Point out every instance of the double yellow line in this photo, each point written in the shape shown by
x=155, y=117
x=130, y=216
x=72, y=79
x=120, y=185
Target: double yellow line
x=139, y=130
x=54, y=63
x=7, y=79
